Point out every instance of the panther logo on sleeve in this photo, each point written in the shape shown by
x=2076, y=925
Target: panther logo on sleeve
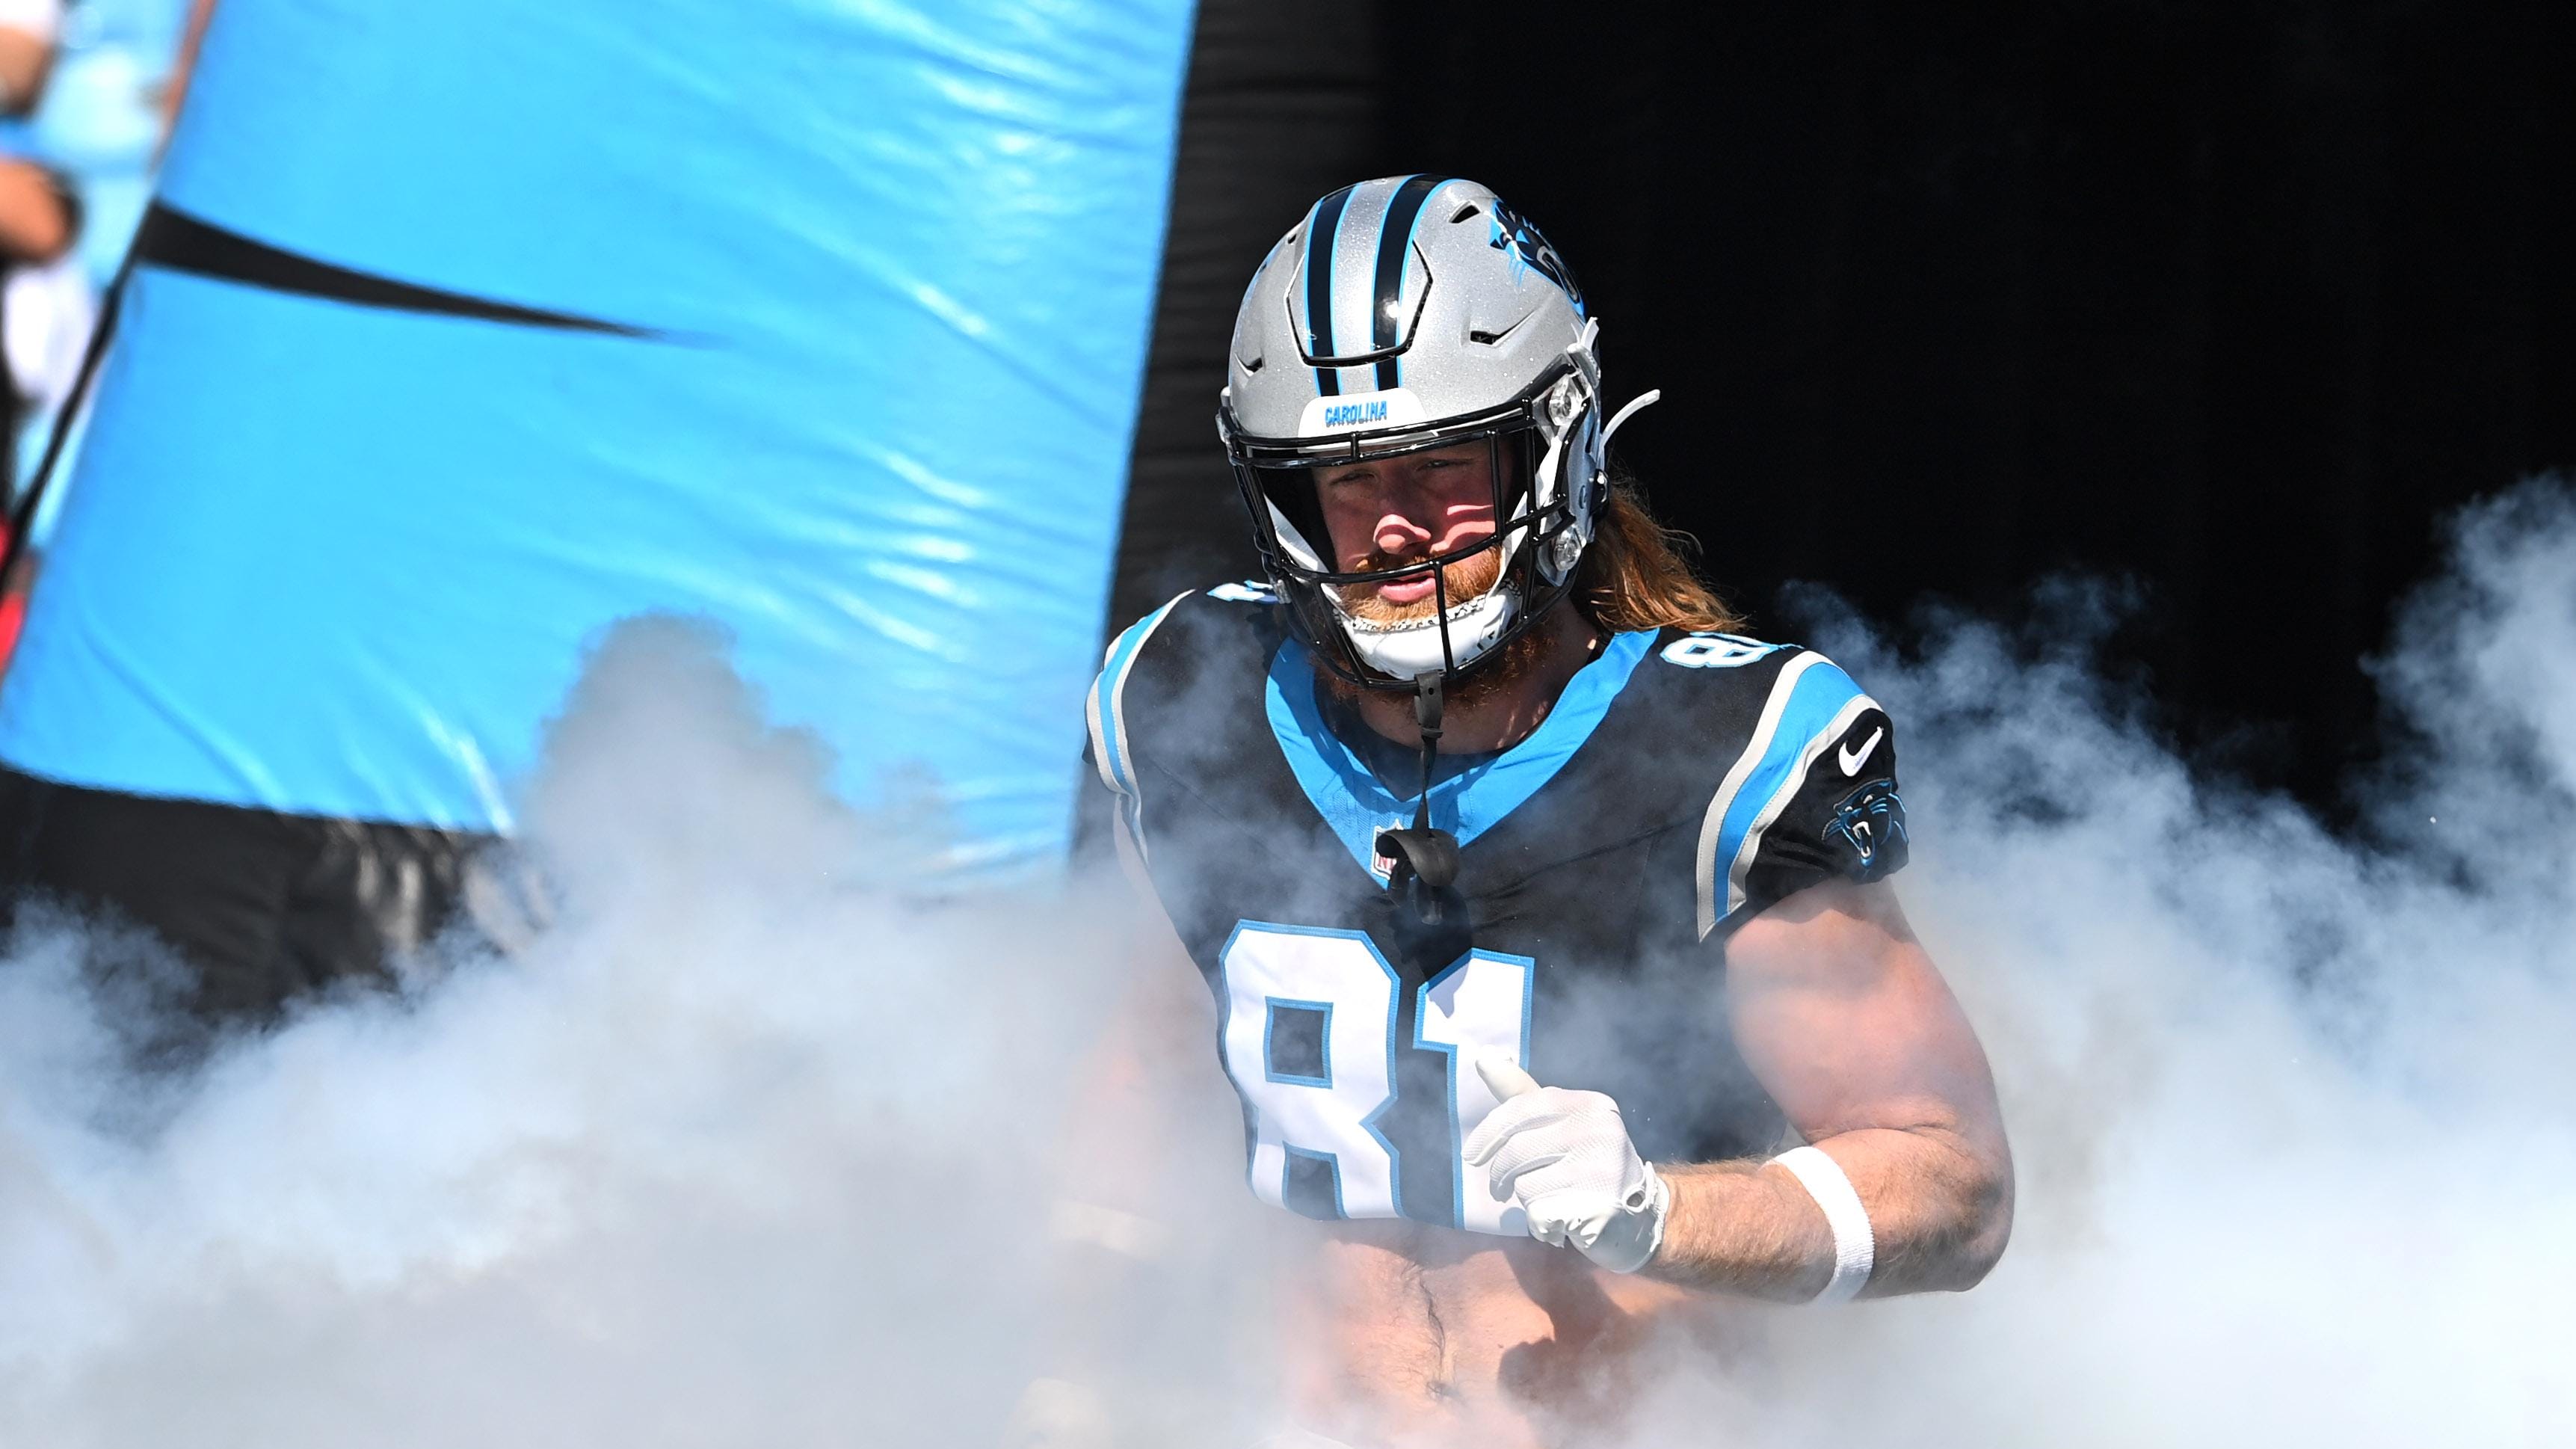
x=1870, y=822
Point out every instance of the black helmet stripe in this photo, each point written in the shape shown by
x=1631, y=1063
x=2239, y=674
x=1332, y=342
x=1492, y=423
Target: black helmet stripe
x=1394, y=244
x=1323, y=235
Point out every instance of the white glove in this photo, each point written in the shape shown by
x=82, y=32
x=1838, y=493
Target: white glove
x=1566, y=1159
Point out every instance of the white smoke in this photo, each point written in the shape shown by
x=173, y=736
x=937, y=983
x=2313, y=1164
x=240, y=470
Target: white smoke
x=743, y=1148
x=2290, y=1104
x=747, y=1144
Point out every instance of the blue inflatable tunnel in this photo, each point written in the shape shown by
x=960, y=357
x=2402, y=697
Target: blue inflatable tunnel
x=458, y=332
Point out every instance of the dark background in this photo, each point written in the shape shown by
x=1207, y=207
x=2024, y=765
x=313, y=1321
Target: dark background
x=2230, y=300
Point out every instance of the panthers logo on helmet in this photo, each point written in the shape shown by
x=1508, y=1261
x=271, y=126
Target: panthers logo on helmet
x=1871, y=821
x=1513, y=232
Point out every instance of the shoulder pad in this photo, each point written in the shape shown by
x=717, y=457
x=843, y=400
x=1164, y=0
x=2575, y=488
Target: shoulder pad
x=1104, y=708
x=1814, y=723
x=1189, y=644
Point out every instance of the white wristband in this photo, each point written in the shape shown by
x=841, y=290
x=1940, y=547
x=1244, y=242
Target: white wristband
x=1855, y=1249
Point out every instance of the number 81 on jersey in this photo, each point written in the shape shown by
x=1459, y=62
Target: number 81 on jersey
x=1310, y=1039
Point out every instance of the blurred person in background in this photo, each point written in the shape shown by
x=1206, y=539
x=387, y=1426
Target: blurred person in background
x=45, y=310
x=118, y=72
x=88, y=94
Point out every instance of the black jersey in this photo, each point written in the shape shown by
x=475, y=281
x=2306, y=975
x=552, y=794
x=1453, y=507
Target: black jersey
x=1681, y=783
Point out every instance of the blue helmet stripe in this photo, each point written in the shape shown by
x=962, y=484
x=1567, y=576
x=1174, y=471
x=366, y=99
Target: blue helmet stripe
x=1394, y=249
x=1323, y=237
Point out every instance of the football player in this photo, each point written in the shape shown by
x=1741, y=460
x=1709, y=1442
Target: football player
x=1541, y=908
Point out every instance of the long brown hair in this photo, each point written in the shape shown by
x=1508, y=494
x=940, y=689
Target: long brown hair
x=1637, y=574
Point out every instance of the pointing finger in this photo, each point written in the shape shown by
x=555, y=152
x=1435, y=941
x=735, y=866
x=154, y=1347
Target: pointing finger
x=1503, y=1077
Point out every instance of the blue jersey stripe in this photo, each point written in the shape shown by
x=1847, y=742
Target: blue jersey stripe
x=1357, y=805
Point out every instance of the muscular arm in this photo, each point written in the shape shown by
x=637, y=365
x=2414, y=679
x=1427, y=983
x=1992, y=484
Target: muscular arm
x=1847, y=1023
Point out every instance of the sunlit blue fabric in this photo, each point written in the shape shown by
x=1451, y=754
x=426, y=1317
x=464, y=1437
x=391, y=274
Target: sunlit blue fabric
x=900, y=261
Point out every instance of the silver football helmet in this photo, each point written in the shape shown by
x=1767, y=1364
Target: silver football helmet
x=1402, y=314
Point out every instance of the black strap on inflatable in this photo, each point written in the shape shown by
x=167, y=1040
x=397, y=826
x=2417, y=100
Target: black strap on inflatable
x=175, y=241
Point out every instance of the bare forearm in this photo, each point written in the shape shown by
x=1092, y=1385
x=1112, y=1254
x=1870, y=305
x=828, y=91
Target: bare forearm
x=1735, y=1227
x=1939, y=1213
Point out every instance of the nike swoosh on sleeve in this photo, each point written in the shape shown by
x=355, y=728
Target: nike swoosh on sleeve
x=1851, y=758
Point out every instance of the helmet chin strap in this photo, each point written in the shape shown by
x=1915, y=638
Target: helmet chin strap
x=1435, y=641
x=1426, y=859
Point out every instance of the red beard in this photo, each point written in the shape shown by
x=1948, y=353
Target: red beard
x=1462, y=581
